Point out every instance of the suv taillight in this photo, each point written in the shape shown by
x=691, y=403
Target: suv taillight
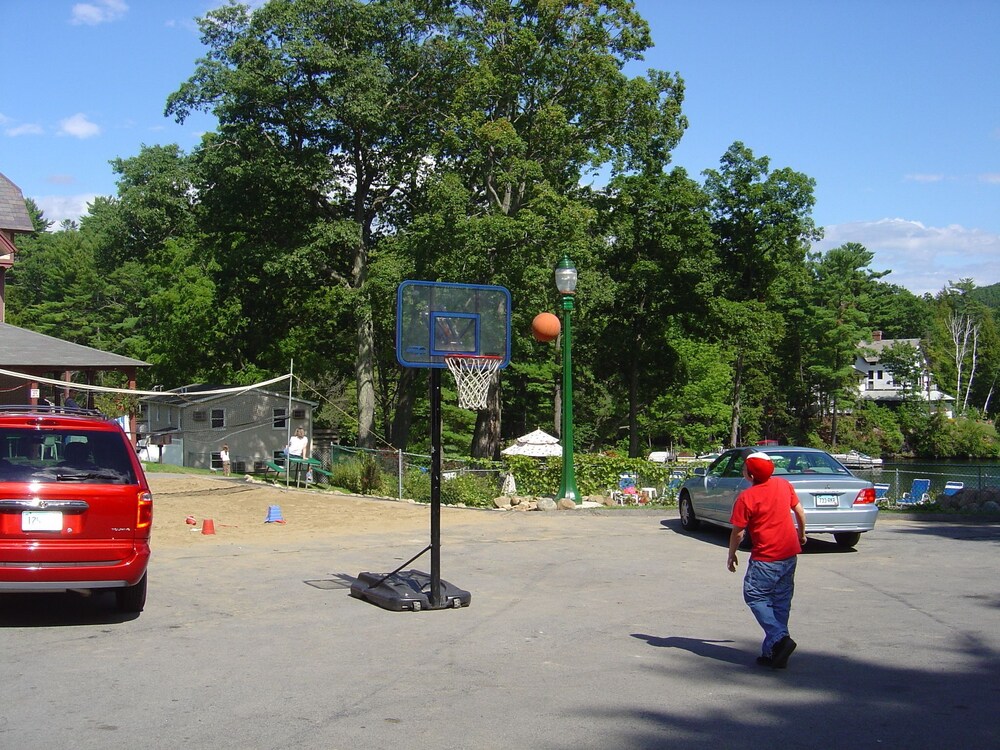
x=145, y=517
x=865, y=497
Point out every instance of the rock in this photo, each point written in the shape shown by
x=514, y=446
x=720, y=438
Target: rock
x=606, y=500
x=566, y=504
x=502, y=502
x=991, y=506
x=546, y=503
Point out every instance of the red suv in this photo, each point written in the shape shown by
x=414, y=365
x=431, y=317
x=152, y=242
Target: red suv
x=75, y=507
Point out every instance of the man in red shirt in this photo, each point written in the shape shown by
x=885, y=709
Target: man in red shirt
x=765, y=509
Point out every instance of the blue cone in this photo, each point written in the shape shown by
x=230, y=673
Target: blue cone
x=274, y=514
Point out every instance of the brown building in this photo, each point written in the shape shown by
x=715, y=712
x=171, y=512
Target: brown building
x=28, y=358
x=14, y=219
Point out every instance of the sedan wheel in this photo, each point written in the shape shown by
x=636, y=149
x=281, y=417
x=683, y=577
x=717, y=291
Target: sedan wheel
x=847, y=539
x=689, y=522
x=131, y=599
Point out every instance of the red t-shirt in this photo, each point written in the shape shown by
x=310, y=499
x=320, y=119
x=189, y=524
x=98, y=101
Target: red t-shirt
x=764, y=510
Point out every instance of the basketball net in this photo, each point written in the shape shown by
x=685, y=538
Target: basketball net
x=473, y=375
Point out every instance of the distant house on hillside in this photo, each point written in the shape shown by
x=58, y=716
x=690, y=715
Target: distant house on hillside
x=876, y=382
x=188, y=426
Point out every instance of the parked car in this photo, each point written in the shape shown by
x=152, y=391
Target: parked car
x=75, y=507
x=835, y=501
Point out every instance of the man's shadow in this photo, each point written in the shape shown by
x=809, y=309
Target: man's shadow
x=698, y=646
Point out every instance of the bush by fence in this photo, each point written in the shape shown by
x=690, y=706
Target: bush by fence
x=476, y=482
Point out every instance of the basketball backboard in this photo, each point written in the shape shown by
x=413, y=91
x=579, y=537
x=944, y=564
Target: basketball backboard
x=436, y=319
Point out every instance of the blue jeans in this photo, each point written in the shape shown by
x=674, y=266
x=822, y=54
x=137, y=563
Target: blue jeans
x=767, y=590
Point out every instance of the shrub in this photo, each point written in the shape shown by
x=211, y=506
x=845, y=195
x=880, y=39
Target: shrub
x=370, y=474
x=473, y=490
x=346, y=474
x=595, y=473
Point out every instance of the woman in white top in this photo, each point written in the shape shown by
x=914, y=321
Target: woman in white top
x=298, y=445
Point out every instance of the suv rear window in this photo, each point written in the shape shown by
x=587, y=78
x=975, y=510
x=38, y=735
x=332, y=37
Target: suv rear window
x=29, y=454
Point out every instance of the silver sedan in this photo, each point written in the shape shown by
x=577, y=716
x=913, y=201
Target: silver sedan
x=835, y=501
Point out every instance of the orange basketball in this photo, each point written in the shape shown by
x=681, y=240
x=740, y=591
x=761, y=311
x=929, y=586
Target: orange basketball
x=545, y=327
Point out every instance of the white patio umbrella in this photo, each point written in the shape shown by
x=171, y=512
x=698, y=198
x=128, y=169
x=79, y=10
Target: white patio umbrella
x=538, y=444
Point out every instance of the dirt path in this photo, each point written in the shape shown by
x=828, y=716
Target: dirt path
x=239, y=508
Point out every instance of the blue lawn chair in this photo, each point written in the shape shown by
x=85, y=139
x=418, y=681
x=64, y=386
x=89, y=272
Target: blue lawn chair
x=917, y=494
x=950, y=488
x=881, y=491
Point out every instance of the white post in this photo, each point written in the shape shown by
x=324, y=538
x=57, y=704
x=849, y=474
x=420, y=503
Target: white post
x=399, y=472
x=288, y=422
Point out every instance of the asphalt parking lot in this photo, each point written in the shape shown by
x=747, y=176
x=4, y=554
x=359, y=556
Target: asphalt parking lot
x=585, y=631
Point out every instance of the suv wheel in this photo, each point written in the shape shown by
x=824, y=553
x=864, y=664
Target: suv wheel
x=131, y=599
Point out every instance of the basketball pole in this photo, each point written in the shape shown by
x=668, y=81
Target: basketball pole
x=435, y=415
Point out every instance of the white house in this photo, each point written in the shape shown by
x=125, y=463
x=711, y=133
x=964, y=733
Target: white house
x=190, y=426
x=876, y=383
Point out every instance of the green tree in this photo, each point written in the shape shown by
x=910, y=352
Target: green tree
x=542, y=101
x=37, y=216
x=328, y=110
x=763, y=225
x=55, y=288
x=832, y=326
x=906, y=364
x=659, y=259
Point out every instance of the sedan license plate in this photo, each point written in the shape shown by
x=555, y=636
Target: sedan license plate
x=824, y=501
x=41, y=520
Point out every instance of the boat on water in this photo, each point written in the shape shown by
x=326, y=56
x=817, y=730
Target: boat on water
x=857, y=460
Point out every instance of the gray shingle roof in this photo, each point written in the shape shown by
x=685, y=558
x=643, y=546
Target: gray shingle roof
x=22, y=348
x=13, y=212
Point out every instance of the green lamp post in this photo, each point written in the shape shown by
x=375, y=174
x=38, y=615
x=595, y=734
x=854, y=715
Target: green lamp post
x=566, y=284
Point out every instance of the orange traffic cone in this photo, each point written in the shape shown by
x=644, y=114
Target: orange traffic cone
x=208, y=526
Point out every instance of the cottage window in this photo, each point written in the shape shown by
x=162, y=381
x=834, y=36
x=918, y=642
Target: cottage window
x=218, y=419
x=279, y=418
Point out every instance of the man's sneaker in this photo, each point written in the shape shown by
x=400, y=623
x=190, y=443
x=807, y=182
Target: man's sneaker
x=781, y=651
x=764, y=661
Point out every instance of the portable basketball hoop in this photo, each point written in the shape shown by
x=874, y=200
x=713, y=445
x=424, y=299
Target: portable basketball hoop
x=466, y=328
x=473, y=375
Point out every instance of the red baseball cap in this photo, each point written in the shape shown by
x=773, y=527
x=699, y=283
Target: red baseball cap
x=759, y=466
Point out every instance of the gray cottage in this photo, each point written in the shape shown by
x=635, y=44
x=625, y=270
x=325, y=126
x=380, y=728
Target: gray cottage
x=188, y=426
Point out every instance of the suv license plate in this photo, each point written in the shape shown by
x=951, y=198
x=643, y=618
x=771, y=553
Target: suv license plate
x=41, y=520
x=827, y=500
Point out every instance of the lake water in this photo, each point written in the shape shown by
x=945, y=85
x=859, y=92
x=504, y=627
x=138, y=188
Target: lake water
x=899, y=475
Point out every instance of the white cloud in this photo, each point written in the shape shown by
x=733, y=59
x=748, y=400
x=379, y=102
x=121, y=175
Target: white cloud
x=57, y=208
x=924, y=177
x=79, y=126
x=101, y=11
x=28, y=128
x=922, y=259
x=991, y=178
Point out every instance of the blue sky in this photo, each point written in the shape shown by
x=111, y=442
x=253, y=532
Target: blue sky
x=890, y=105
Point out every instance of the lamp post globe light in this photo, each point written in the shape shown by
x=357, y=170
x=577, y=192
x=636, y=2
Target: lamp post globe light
x=566, y=277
